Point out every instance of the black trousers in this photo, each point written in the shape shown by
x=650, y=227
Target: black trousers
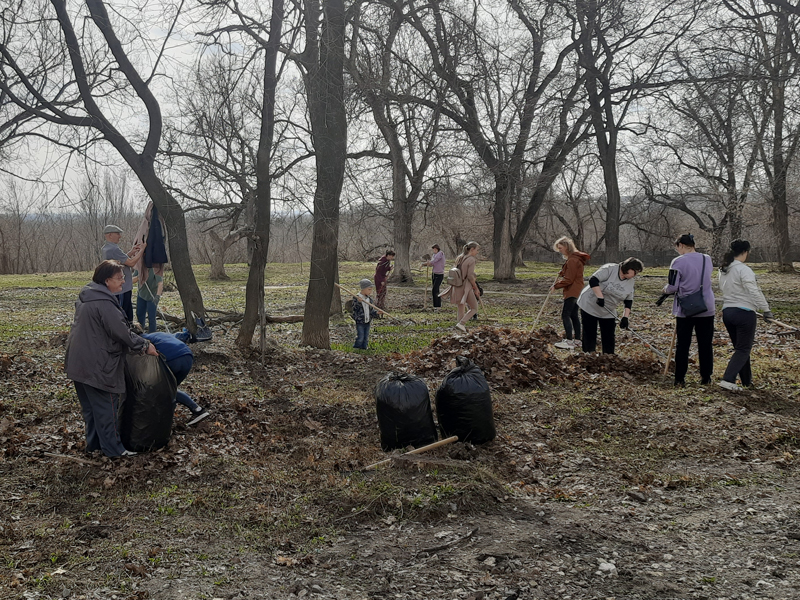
x=741, y=326
x=436, y=282
x=703, y=328
x=126, y=302
x=569, y=316
x=607, y=333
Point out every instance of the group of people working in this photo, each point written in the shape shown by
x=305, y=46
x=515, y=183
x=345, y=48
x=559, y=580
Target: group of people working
x=690, y=282
x=102, y=334
x=593, y=306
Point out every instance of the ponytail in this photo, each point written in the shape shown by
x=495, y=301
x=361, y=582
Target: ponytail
x=737, y=247
x=464, y=251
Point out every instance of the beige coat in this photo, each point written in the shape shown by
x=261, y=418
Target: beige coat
x=462, y=293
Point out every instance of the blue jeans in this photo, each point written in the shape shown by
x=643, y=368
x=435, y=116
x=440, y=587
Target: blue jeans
x=148, y=309
x=180, y=367
x=101, y=414
x=362, y=335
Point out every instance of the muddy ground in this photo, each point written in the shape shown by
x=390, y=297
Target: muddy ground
x=604, y=480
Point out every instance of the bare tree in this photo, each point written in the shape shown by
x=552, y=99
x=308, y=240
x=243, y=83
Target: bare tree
x=322, y=63
x=385, y=66
x=776, y=94
x=509, y=97
x=74, y=98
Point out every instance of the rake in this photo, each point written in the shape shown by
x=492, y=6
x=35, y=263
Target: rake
x=640, y=338
x=791, y=331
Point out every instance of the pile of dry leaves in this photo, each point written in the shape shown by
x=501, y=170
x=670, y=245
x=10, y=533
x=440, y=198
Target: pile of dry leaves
x=514, y=359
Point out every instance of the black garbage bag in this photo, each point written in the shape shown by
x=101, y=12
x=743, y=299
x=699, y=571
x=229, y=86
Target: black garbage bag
x=464, y=404
x=404, y=412
x=149, y=403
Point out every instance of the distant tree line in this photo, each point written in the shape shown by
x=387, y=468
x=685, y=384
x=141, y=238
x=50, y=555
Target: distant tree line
x=316, y=131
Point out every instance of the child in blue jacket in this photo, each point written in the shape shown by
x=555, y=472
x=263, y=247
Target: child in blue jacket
x=363, y=313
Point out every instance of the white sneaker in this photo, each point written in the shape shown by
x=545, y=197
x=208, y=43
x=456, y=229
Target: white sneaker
x=731, y=387
x=565, y=344
x=461, y=327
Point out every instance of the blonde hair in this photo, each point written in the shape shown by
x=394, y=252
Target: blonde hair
x=465, y=251
x=565, y=241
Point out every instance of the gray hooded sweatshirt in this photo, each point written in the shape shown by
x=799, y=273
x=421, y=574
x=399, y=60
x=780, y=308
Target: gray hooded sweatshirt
x=99, y=339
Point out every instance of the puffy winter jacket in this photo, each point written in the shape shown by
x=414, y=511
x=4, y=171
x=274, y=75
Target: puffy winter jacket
x=99, y=339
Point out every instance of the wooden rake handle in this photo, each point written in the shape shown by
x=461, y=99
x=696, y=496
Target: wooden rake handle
x=444, y=442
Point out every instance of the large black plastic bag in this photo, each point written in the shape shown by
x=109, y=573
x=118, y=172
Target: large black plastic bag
x=464, y=404
x=149, y=403
x=404, y=412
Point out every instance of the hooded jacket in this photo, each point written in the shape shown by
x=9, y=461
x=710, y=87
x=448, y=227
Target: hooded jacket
x=98, y=340
x=572, y=274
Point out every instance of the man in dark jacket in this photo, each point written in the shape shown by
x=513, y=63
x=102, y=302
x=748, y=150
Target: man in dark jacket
x=179, y=359
x=95, y=357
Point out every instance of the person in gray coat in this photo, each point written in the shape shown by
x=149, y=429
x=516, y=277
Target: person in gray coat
x=95, y=359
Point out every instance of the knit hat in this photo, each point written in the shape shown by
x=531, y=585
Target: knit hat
x=365, y=283
x=111, y=229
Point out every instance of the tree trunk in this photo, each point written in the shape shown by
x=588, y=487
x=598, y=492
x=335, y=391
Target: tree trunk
x=218, y=248
x=325, y=88
x=403, y=217
x=501, y=242
x=780, y=211
x=254, y=292
x=613, y=203
x=175, y=220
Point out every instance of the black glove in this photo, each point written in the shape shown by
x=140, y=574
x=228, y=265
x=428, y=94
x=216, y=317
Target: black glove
x=601, y=302
x=768, y=315
x=661, y=299
x=623, y=323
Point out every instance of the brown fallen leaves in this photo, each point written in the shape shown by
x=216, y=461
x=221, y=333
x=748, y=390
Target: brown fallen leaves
x=514, y=359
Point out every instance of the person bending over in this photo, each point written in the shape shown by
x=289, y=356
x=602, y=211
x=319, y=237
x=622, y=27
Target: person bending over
x=179, y=359
x=609, y=286
x=95, y=359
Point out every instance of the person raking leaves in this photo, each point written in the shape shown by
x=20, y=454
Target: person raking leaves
x=609, y=286
x=363, y=312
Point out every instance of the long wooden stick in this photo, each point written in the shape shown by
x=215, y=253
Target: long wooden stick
x=550, y=291
x=75, y=458
x=367, y=301
x=444, y=442
x=671, y=349
x=784, y=325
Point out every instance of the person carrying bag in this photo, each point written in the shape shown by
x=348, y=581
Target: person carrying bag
x=693, y=308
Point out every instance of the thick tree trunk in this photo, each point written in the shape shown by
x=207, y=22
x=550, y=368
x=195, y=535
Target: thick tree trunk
x=403, y=217
x=613, y=204
x=218, y=249
x=254, y=292
x=780, y=211
x=501, y=242
x=325, y=88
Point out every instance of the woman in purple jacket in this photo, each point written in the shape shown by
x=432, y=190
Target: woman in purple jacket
x=689, y=273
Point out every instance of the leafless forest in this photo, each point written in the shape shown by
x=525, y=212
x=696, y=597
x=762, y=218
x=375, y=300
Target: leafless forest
x=303, y=131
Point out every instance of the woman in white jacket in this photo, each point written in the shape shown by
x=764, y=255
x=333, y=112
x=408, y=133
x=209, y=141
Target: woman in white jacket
x=741, y=298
